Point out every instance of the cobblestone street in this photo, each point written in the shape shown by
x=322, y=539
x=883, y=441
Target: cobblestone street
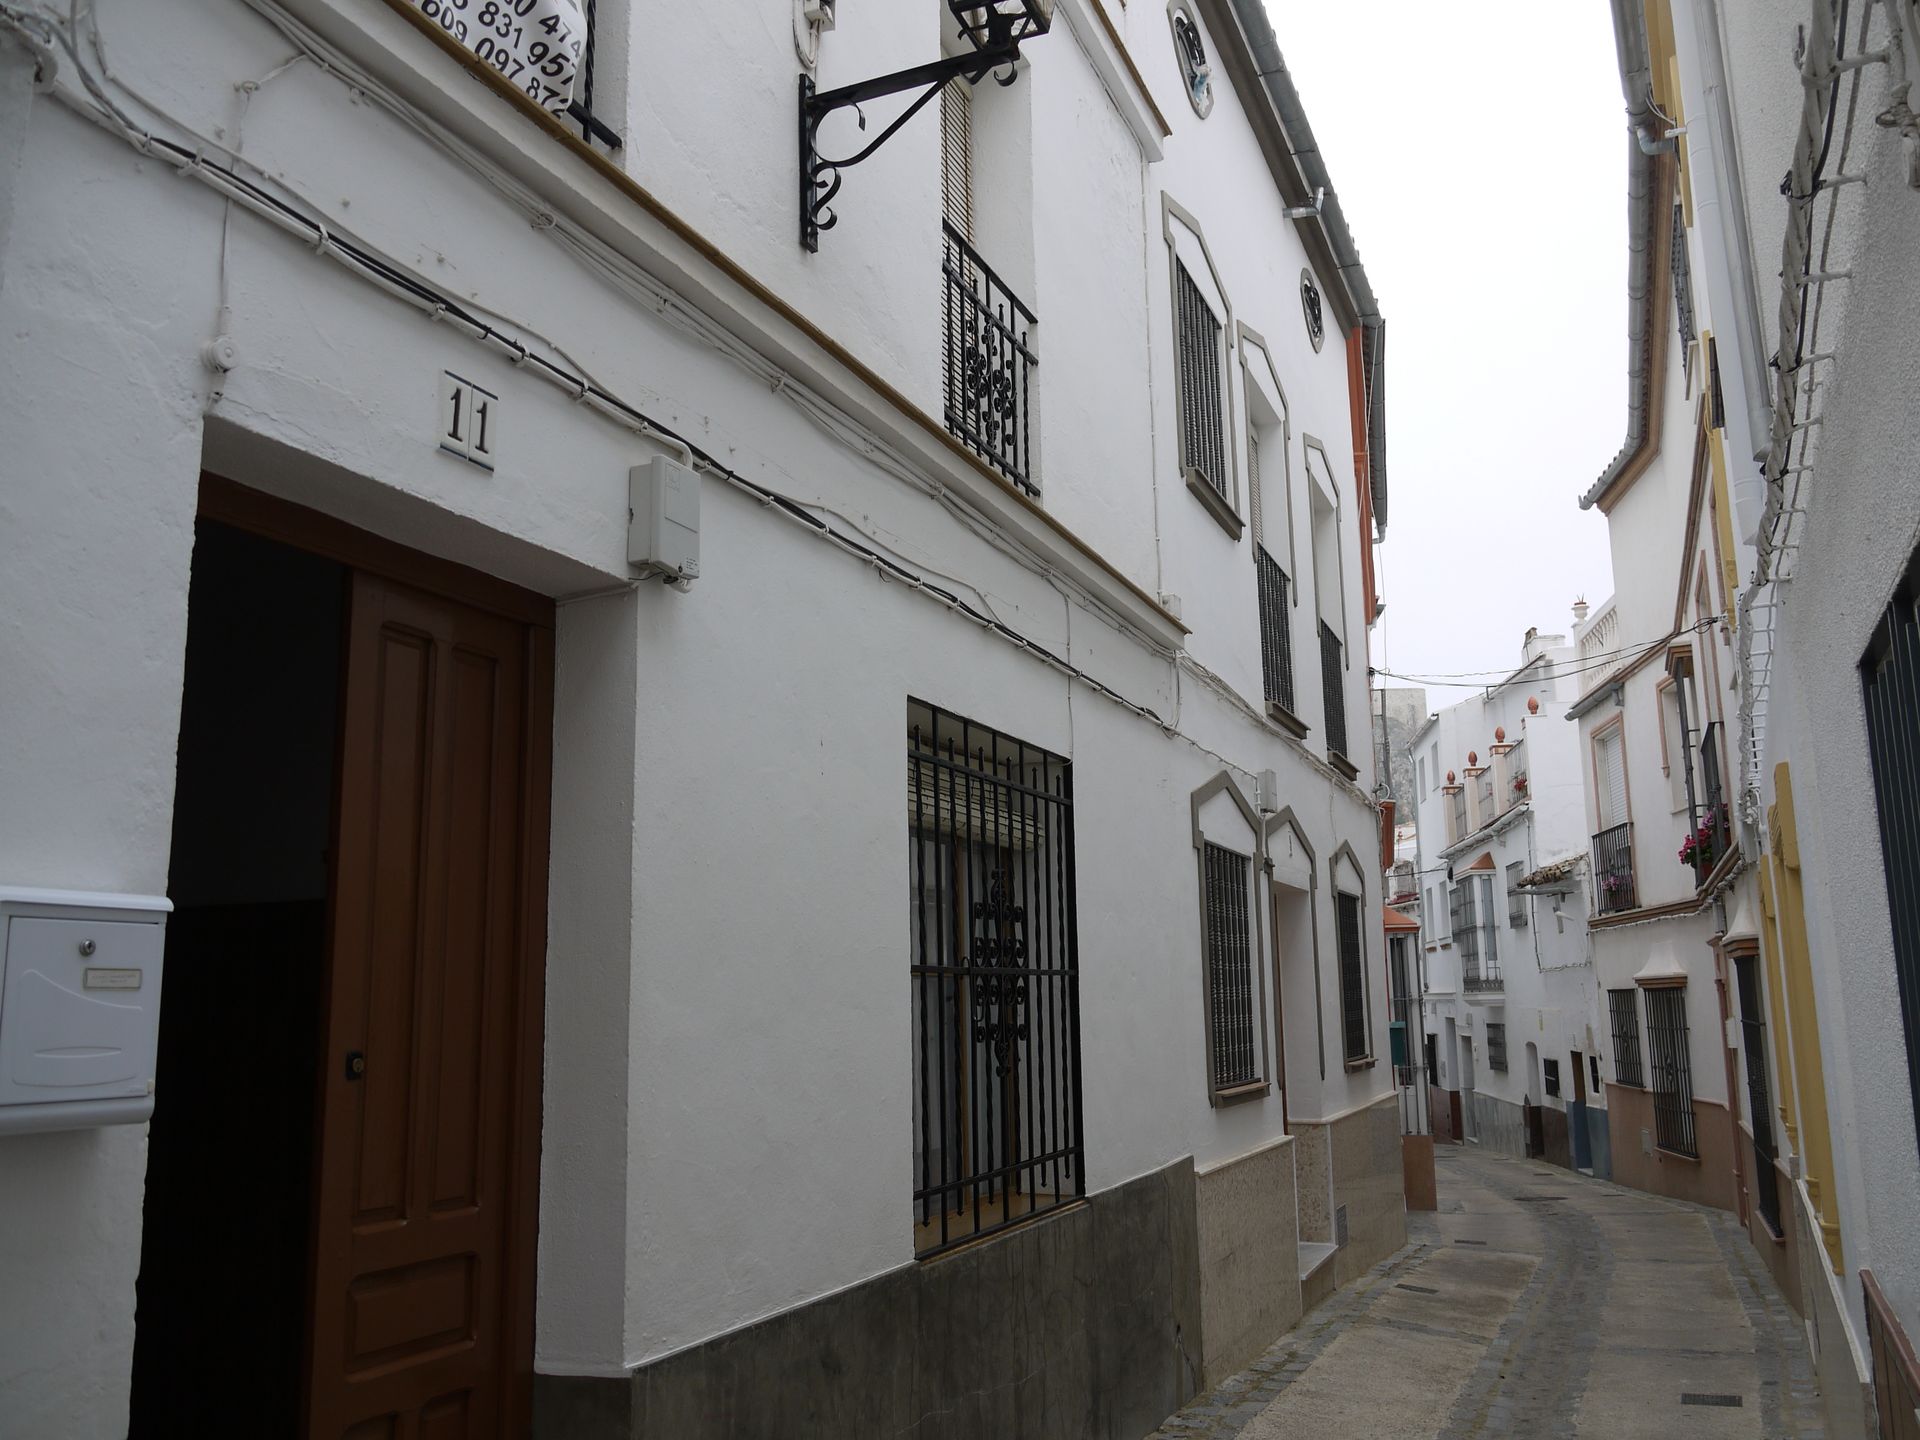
x=1537, y=1302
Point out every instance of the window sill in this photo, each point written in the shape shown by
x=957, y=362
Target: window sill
x=1214, y=503
x=1365, y=1062
x=1661, y=1152
x=1253, y=1090
x=1345, y=766
x=1286, y=720
x=964, y=1233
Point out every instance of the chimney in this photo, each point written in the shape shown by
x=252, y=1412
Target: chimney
x=1580, y=610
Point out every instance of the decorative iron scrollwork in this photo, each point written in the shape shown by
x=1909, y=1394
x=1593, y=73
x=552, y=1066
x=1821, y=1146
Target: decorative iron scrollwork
x=1000, y=1000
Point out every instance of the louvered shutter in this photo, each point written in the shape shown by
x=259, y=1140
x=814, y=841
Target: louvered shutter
x=956, y=157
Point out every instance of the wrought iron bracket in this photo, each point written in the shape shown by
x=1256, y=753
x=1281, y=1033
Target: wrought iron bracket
x=820, y=176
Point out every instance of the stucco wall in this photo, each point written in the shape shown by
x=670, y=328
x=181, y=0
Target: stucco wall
x=1247, y=1222
x=1640, y=1162
x=1367, y=1182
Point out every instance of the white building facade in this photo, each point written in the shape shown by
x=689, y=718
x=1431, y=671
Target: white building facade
x=594, y=1005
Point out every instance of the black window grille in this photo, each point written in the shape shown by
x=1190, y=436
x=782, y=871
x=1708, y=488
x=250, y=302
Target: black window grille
x=1465, y=929
x=1496, y=1046
x=592, y=127
x=995, y=968
x=1550, y=1076
x=989, y=360
x=1624, y=1010
x=1890, y=672
x=1613, y=887
x=1230, y=998
x=1682, y=279
x=1333, y=689
x=1753, y=1037
x=1353, y=977
x=1475, y=935
x=1672, y=1070
x=1276, y=629
x=1203, y=431
x=1516, y=897
x=1457, y=812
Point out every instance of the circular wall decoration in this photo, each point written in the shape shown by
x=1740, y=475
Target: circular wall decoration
x=1191, y=52
x=1310, y=306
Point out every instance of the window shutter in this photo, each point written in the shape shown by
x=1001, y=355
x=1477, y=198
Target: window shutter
x=956, y=157
x=1253, y=484
x=1613, y=782
x=1202, y=401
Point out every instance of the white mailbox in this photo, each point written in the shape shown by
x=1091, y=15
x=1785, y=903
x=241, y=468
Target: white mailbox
x=79, y=1008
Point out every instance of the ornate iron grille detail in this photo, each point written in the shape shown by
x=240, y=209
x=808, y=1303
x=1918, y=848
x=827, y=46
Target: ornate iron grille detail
x=995, y=980
x=989, y=360
x=1276, y=629
x=1203, y=433
x=1753, y=1036
x=1230, y=969
x=1672, y=1070
x=1333, y=690
x=1613, y=870
x=1682, y=280
x=1353, y=977
x=592, y=127
x=1624, y=1010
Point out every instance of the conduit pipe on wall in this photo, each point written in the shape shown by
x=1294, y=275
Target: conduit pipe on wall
x=1645, y=127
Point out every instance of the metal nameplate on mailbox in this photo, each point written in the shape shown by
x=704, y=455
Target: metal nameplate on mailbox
x=98, y=978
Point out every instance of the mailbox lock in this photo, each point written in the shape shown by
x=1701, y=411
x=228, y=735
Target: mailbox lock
x=356, y=1064
x=87, y=947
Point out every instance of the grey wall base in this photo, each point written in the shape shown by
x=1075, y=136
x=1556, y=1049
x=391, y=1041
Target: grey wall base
x=1084, y=1326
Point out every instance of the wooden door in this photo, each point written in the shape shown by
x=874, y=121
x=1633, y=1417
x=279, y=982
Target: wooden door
x=421, y=1308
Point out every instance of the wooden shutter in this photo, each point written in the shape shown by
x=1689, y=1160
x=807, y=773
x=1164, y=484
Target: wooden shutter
x=956, y=157
x=1613, y=781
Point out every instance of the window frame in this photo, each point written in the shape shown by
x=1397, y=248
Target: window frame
x=1350, y=890
x=1670, y=1047
x=1219, y=498
x=1634, y=1075
x=1205, y=845
x=1497, y=1045
x=1518, y=916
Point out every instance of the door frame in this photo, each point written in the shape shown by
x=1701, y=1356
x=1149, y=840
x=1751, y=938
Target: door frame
x=243, y=508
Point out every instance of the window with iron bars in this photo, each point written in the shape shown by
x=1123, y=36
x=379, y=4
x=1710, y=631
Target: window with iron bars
x=1353, y=978
x=1624, y=1010
x=1672, y=1070
x=995, y=980
x=1682, y=281
x=1474, y=934
x=1203, y=431
x=1516, y=897
x=1232, y=1039
x=1496, y=1046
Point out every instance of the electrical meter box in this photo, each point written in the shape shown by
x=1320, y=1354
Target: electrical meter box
x=79, y=1008
x=663, y=520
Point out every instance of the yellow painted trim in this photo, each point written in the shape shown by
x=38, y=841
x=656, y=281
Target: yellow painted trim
x=1777, y=1013
x=1723, y=526
x=1816, y=1156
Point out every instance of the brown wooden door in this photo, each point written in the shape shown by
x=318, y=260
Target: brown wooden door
x=421, y=1314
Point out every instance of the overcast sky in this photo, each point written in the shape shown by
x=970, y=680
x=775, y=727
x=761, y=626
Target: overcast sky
x=1481, y=158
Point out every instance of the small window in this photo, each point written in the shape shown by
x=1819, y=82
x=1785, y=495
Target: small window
x=1516, y=897
x=1551, y=1069
x=1312, y=310
x=1353, y=980
x=1423, y=777
x=1593, y=1069
x=1496, y=1046
x=1624, y=1010
x=1231, y=1003
x=1191, y=52
x=1203, y=434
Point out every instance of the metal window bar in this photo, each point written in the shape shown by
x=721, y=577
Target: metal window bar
x=1485, y=943
x=1890, y=681
x=989, y=357
x=1516, y=897
x=1623, y=1009
x=1333, y=689
x=1203, y=434
x=1753, y=1036
x=1682, y=280
x=592, y=127
x=1710, y=812
x=1613, y=888
x=995, y=980
x=1230, y=968
x=1466, y=932
x=1496, y=1046
x=1353, y=983
x=1276, y=629
x=1459, y=813
x=1672, y=1070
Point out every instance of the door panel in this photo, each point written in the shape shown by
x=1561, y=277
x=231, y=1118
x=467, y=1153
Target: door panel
x=419, y=1233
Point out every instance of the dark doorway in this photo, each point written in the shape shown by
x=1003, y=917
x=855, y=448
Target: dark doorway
x=222, y=1293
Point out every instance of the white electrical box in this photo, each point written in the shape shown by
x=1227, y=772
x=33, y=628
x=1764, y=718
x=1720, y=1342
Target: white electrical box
x=79, y=1008
x=663, y=519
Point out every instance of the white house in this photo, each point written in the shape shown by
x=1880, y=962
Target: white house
x=1510, y=1009
x=753, y=818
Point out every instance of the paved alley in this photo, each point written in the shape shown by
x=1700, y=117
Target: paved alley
x=1536, y=1303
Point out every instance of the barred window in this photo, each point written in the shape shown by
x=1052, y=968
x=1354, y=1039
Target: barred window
x=1231, y=1036
x=1353, y=977
x=1466, y=929
x=1682, y=281
x=1203, y=431
x=1624, y=1010
x=1551, y=1070
x=1672, y=1070
x=1516, y=897
x=1496, y=1046
x=995, y=980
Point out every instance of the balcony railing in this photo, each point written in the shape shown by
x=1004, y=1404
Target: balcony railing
x=1333, y=690
x=1599, y=648
x=1712, y=819
x=1276, y=630
x=1482, y=973
x=989, y=359
x=1613, y=870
